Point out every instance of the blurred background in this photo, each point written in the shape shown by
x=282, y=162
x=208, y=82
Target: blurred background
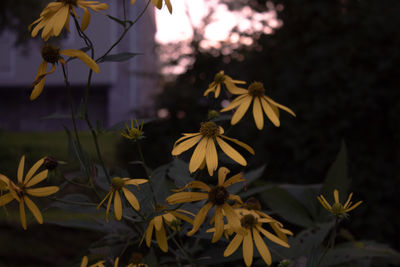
x=335, y=63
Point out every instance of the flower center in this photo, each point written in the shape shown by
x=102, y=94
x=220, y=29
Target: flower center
x=209, y=129
x=219, y=77
x=256, y=89
x=69, y=2
x=50, y=53
x=337, y=208
x=117, y=183
x=248, y=221
x=218, y=195
x=253, y=204
x=212, y=114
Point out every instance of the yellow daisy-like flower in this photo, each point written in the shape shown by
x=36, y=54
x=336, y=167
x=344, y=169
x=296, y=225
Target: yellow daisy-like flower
x=118, y=184
x=55, y=16
x=217, y=196
x=171, y=218
x=256, y=94
x=251, y=223
x=85, y=261
x=158, y=4
x=220, y=79
x=133, y=133
x=52, y=55
x=206, y=151
x=22, y=189
x=337, y=208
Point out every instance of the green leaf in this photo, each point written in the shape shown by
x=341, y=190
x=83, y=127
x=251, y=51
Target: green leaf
x=337, y=177
x=159, y=182
x=75, y=207
x=179, y=173
x=119, y=57
x=289, y=208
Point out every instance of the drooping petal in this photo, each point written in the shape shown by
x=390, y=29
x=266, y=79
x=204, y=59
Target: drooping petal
x=56, y=22
x=233, y=218
x=149, y=232
x=248, y=248
x=183, y=197
x=237, y=178
x=85, y=261
x=288, y=110
x=185, y=145
x=230, y=152
x=261, y=247
x=182, y=217
x=42, y=191
x=169, y=6
x=233, y=245
x=20, y=172
x=272, y=237
x=4, y=179
x=235, y=198
x=85, y=18
x=162, y=239
x=258, y=113
x=37, y=179
x=34, y=209
x=219, y=224
x=22, y=214
x=101, y=203
x=117, y=205
x=241, y=110
x=199, y=219
x=185, y=136
x=131, y=198
x=83, y=57
x=211, y=156
x=235, y=102
x=38, y=88
x=109, y=204
x=136, y=182
x=217, y=90
x=195, y=184
x=157, y=3
x=240, y=143
x=5, y=199
x=271, y=114
x=158, y=222
x=198, y=155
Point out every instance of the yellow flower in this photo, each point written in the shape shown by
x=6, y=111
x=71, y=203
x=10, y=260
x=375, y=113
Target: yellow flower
x=85, y=261
x=171, y=218
x=134, y=133
x=217, y=196
x=22, y=189
x=158, y=4
x=255, y=94
x=118, y=184
x=219, y=79
x=52, y=55
x=206, y=152
x=337, y=208
x=55, y=16
x=251, y=223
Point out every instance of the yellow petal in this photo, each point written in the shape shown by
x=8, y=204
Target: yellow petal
x=336, y=195
x=117, y=205
x=258, y=113
x=219, y=224
x=20, y=173
x=38, y=88
x=194, y=184
x=182, y=217
x=241, y=110
x=34, y=209
x=109, y=204
x=56, y=22
x=211, y=156
x=22, y=213
x=198, y=155
x=33, y=169
x=235, y=102
x=240, y=143
x=288, y=110
x=169, y=6
x=234, y=179
x=248, y=249
x=183, y=197
x=261, y=247
x=157, y=3
x=85, y=19
x=83, y=57
x=222, y=173
x=85, y=261
x=162, y=239
x=116, y=262
x=348, y=201
x=132, y=2
x=199, y=219
x=354, y=206
x=4, y=179
x=131, y=198
x=137, y=182
x=233, y=218
x=324, y=203
x=37, y=179
x=158, y=222
x=5, y=199
x=272, y=237
x=235, y=198
x=230, y=152
x=149, y=232
x=185, y=145
x=42, y=191
x=185, y=136
x=104, y=199
x=233, y=245
x=269, y=111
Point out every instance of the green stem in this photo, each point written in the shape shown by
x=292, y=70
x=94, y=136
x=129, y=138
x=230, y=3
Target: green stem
x=147, y=170
x=73, y=202
x=331, y=242
x=184, y=252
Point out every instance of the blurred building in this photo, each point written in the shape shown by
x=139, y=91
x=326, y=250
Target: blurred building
x=119, y=92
